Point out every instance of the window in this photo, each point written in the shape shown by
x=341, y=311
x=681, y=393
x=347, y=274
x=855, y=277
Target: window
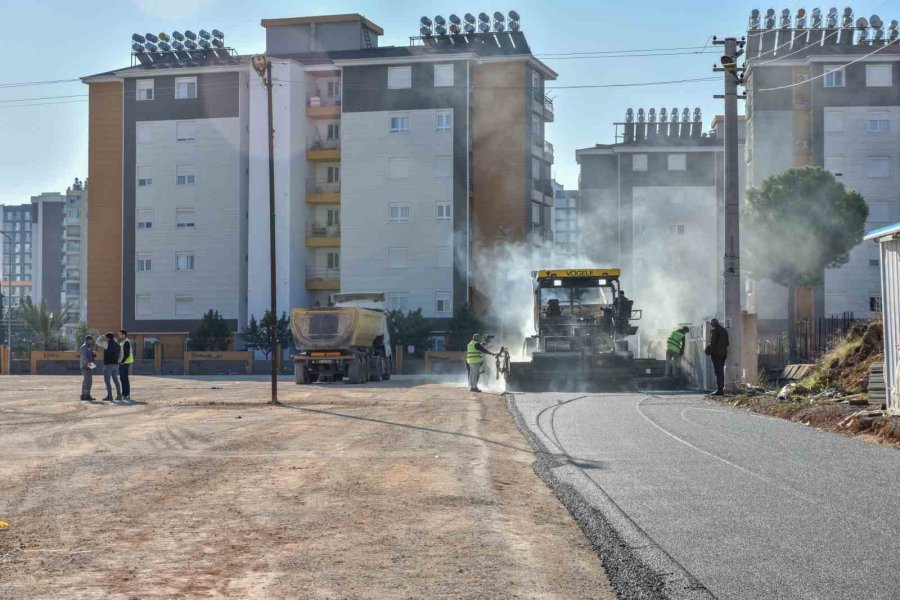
x=536, y=169
x=398, y=213
x=677, y=162
x=834, y=76
x=144, y=89
x=399, y=123
x=185, y=88
x=639, y=162
x=399, y=78
x=333, y=89
x=333, y=260
x=443, y=211
x=536, y=126
x=536, y=91
x=184, y=175
x=878, y=167
x=443, y=256
x=333, y=217
x=185, y=131
x=834, y=121
x=873, y=262
x=878, y=76
x=398, y=168
x=143, y=262
x=333, y=175
x=398, y=301
x=398, y=258
x=443, y=166
x=835, y=164
x=334, y=131
x=145, y=176
x=185, y=218
x=878, y=123
x=144, y=218
x=442, y=302
x=73, y=260
x=144, y=133
x=184, y=305
x=184, y=261
x=443, y=75
x=676, y=229
x=443, y=120
x=875, y=304
x=142, y=302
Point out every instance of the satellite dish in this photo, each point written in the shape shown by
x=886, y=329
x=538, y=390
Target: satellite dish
x=439, y=20
x=218, y=34
x=150, y=47
x=469, y=18
x=163, y=36
x=674, y=115
x=164, y=47
x=425, y=31
x=190, y=44
x=484, y=18
x=204, y=44
x=136, y=37
x=469, y=28
x=629, y=116
x=876, y=22
x=440, y=30
x=484, y=27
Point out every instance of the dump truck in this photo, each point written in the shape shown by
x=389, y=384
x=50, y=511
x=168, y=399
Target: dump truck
x=348, y=339
x=582, y=320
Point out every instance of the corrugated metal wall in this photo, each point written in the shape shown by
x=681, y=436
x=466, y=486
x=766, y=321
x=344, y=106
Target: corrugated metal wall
x=890, y=302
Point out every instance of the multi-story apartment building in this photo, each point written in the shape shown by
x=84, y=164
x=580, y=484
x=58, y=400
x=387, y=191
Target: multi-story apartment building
x=16, y=259
x=392, y=165
x=652, y=203
x=75, y=253
x=565, y=221
x=824, y=90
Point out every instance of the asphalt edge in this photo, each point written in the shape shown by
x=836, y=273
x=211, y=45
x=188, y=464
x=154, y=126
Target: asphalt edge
x=636, y=566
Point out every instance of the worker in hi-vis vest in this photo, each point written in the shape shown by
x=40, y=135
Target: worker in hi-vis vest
x=474, y=361
x=674, y=351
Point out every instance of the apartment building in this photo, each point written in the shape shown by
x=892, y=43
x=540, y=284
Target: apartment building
x=824, y=90
x=652, y=203
x=16, y=259
x=75, y=251
x=565, y=221
x=392, y=165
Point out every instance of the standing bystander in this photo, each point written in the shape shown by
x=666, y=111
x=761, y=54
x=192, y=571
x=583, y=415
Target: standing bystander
x=86, y=361
x=111, y=356
x=717, y=350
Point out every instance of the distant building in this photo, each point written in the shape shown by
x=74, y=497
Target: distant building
x=651, y=203
x=565, y=220
x=815, y=98
x=48, y=256
x=75, y=253
x=16, y=258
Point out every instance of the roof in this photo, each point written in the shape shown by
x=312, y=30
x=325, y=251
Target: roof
x=342, y=18
x=210, y=60
x=883, y=232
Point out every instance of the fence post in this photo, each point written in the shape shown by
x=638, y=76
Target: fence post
x=249, y=362
x=427, y=361
x=3, y=361
x=34, y=358
x=157, y=358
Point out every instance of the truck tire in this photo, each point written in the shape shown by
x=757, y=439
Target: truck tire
x=301, y=374
x=387, y=370
x=355, y=371
x=377, y=368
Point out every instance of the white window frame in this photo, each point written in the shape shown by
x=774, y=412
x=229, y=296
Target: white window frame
x=398, y=258
x=145, y=176
x=445, y=299
x=181, y=214
x=676, y=229
x=443, y=257
x=144, y=85
x=399, y=78
x=185, y=175
x=398, y=301
x=440, y=207
x=443, y=75
x=401, y=125
x=878, y=122
x=443, y=120
x=333, y=88
x=185, y=131
x=333, y=260
x=440, y=162
x=144, y=262
x=638, y=162
x=885, y=160
x=885, y=77
x=398, y=167
x=184, y=93
x=333, y=128
x=835, y=76
x=186, y=302
x=398, y=212
x=189, y=262
x=141, y=216
x=144, y=133
x=676, y=161
x=333, y=174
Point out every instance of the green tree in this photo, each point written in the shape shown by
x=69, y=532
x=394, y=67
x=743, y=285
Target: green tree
x=253, y=340
x=410, y=329
x=46, y=325
x=82, y=330
x=463, y=325
x=212, y=334
x=257, y=334
x=797, y=224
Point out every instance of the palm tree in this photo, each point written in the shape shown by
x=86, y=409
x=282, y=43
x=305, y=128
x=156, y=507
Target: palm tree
x=46, y=324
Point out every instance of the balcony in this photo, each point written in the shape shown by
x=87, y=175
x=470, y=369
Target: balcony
x=548, y=152
x=323, y=278
x=548, y=109
x=323, y=236
x=542, y=105
x=318, y=192
x=323, y=150
x=318, y=107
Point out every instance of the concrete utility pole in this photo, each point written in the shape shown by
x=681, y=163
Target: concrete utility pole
x=732, y=259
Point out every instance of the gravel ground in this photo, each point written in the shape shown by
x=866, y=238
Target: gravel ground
x=199, y=489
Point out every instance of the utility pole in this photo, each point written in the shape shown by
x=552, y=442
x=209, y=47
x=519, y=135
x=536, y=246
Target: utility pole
x=263, y=68
x=732, y=259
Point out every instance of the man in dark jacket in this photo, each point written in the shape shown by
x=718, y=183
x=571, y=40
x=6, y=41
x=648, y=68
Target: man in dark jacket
x=111, y=355
x=125, y=361
x=718, y=352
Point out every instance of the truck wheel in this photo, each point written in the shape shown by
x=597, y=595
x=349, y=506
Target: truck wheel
x=301, y=374
x=355, y=371
x=387, y=370
x=377, y=368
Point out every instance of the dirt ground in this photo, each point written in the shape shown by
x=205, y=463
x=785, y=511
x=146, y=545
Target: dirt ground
x=199, y=489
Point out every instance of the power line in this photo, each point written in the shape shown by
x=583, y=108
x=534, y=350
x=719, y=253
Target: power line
x=632, y=55
x=27, y=83
x=44, y=98
x=549, y=54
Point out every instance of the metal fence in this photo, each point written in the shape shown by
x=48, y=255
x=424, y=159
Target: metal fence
x=814, y=338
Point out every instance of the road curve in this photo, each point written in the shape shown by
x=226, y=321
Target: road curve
x=745, y=505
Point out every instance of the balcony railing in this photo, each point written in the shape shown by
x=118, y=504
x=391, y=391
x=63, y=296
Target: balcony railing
x=548, y=151
x=323, y=187
x=322, y=274
x=319, y=230
x=319, y=143
x=548, y=105
x=315, y=101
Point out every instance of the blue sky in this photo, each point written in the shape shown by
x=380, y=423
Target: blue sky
x=43, y=145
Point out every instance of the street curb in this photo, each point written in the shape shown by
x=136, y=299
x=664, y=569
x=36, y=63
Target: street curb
x=636, y=566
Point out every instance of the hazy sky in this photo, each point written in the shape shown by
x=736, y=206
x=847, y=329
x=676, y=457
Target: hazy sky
x=43, y=142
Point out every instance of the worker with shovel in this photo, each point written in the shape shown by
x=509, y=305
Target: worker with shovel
x=475, y=361
x=675, y=350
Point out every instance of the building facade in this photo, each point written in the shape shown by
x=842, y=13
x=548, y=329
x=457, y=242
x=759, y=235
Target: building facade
x=565, y=221
x=17, y=256
x=824, y=90
x=392, y=165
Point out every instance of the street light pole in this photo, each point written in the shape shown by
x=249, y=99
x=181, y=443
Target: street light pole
x=8, y=303
x=263, y=68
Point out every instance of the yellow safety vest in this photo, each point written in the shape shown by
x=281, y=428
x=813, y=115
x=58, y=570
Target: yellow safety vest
x=674, y=341
x=473, y=356
x=130, y=358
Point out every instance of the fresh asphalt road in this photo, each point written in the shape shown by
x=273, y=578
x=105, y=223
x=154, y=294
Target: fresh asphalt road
x=750, y=506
